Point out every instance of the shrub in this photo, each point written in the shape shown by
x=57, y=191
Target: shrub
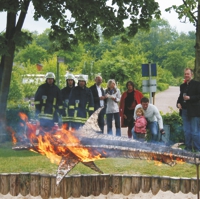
x=174, y=120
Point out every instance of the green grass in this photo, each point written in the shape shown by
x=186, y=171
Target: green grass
x=12, y=161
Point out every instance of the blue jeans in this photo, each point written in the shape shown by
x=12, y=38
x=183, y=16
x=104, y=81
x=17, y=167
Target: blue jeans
x=187, y=128
x=153, y=128
x=138, y=136
x=109, y=117
x=195, y=125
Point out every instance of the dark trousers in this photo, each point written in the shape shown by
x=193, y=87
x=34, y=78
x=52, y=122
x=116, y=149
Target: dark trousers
x=101, y=120
x=109, y=118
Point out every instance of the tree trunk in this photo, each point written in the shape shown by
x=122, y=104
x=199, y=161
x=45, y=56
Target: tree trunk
x=197, y=48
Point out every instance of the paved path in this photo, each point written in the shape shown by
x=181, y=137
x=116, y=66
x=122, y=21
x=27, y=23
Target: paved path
x=166, y=100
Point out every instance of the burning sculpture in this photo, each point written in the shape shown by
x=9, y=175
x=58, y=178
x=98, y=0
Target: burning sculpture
x=68, y=148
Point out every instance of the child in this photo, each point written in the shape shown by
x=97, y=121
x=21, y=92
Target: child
x=139, y=130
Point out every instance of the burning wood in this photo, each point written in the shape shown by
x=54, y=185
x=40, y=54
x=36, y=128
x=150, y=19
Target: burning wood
x=68, y=148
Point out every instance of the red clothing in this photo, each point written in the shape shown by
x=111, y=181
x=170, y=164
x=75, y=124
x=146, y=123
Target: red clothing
x=137, y=96
x=140, y=125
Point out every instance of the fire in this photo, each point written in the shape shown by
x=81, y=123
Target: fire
x=55, y=144
x=14, y=140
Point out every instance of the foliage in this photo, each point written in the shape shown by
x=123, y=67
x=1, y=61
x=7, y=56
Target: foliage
x=174, y=120
x=162, y=86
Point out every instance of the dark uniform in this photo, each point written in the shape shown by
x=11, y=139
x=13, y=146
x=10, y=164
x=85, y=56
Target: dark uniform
x=48, y=104
x=81, y=106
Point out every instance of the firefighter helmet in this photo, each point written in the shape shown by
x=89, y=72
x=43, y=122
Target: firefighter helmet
x=81, y=78
x=69, y=76
x=50, y=75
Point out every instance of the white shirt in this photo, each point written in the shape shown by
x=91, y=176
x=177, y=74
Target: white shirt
x=100, y=95
x=151, y=114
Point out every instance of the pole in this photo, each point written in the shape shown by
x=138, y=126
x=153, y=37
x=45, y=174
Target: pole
x=57, y=78
x=150, y=93
x=197, y=165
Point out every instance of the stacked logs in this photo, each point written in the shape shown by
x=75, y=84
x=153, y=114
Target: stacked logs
x=45, y=186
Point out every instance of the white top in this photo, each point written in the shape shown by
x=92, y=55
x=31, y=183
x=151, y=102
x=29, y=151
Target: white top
x=151, y=114
x=100, y=95
x=112, y=106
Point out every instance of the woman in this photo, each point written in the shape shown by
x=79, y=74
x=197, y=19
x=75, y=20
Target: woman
x=129, y=100
x=112, y=110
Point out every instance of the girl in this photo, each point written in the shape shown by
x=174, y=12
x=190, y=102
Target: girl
x=139, y=130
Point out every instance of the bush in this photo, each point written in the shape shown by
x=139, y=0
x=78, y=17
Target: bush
x=162, y=86
x=174, y=120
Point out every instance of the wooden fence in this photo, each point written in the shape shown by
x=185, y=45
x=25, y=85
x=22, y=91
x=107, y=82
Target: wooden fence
x=45, y=186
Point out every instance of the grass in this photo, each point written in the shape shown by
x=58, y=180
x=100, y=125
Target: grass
x=12, y=161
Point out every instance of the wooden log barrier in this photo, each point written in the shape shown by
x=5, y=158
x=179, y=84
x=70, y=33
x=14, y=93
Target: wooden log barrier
x=66, y=187
x=126, y=185
x=86, y=185
x=14, y=184
x=136, y=184
x=24, y=183
x=146, y=184
x=4, y=183
x=35, y=184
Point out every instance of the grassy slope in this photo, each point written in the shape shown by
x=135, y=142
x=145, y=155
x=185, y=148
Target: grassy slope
x=25, y=161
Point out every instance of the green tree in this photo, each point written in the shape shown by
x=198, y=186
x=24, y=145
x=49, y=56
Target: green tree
x=190, y=10
x=80, y=24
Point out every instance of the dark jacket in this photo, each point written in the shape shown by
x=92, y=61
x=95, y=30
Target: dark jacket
x=192, y=105
x=48, y=101
x=81, y=103
x=96, y=96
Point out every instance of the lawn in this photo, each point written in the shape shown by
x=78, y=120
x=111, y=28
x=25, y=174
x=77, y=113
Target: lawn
x=26, y=161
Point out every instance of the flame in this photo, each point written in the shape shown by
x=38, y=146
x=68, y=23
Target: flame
x=57, y=142
x=14, y=139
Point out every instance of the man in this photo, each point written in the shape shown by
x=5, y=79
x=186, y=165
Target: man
x=99, y=100
x=153, y=117
x=48, y=102
x=81, y=103
x=189, y=105
x=70, y=84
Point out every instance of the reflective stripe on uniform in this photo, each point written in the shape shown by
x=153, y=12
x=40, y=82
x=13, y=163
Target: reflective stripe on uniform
x=37, y=102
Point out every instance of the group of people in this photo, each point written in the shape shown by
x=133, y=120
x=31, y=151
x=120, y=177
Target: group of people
x=75, y=104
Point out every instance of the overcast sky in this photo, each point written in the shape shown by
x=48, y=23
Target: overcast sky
x=172, y=18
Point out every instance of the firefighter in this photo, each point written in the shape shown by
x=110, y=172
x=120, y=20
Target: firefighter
x=70, y=84
x=81, y=103
x=48, y=103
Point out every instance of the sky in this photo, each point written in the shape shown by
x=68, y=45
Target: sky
x=172, y=18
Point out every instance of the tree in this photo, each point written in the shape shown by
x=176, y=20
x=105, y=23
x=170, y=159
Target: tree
x=190, y=10
x=70, y=21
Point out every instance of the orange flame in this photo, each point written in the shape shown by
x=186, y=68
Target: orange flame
x=14, y=140
x=57, y=143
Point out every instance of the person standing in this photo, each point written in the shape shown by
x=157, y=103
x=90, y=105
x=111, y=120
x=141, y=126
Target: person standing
x=70, y=84
x=48, y=102
x=99, y=100
x=112, y=110
x=128, y=102
x=189, y=105
x=81, y=103
x=153, y=117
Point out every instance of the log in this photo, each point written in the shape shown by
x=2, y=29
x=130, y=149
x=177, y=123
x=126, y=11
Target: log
x=126, y=185
x=24, y=183
x=95, y=185
x=165, y=183
x=35, y=184
x=105, y=183
x=45, y=184
x=155, y=184
x=86, y=185
x=14, y=184
x=185, y=185
x=146, y=184
x=194, y=185
x=76, y=186
x=4, y=183
x=55, y=189
x=116, y=184
x=66, y=187
x=136, y=184
x=175, y=184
